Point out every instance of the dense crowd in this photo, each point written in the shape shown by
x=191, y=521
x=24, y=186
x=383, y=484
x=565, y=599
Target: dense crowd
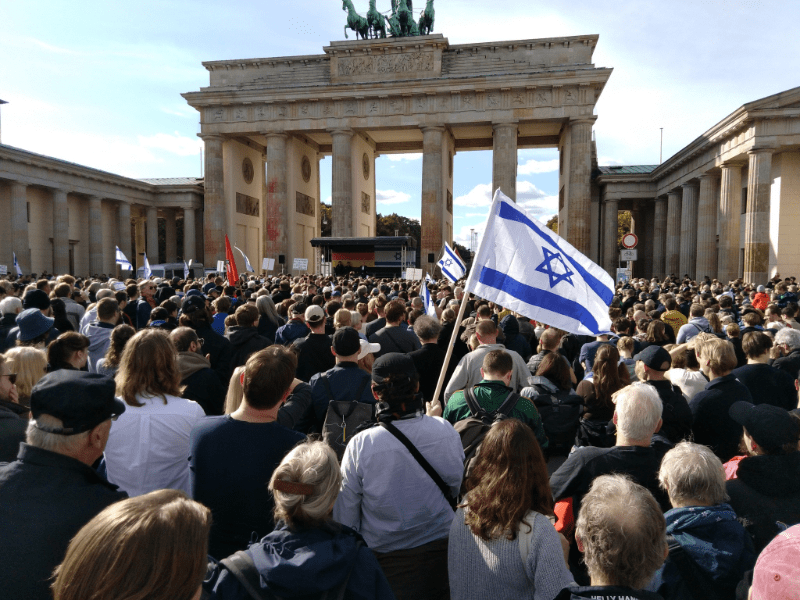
x=332, y=436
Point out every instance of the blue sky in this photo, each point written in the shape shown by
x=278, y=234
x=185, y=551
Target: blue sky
x=99, y=83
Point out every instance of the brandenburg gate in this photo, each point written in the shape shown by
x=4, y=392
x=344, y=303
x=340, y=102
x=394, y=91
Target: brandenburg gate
x=266, y=123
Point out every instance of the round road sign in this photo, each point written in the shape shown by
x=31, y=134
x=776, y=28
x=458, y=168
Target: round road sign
x=629, y=240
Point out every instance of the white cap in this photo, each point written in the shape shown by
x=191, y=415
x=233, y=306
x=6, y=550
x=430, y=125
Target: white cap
x=368, y=348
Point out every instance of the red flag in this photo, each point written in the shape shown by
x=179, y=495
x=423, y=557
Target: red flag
x=233, y=274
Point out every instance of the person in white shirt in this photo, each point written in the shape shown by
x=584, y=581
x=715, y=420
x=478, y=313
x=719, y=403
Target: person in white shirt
x=148, y=448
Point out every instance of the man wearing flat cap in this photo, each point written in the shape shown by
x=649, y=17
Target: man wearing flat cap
x=51, y=490
x=766, y=491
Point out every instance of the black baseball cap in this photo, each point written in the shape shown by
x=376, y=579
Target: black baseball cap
x=393, y=363
x=770, y=426
x=192, y=304
x=36, y=299
x=346, y=341
x=79, y=399
x=655, y=357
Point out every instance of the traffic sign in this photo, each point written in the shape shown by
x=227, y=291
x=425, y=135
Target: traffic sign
x=629, y=240
x=627, y=255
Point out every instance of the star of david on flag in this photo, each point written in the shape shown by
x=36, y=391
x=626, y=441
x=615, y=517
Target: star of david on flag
x=451, y=265
x=527, y=268
x=123, y=261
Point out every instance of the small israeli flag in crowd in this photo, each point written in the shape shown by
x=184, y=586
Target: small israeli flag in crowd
x=185, y=270
x=123, y=261
x=452, y=266
x=247, y=265
x=527, y=268
x=147, y=271
x=16, y=266
x=430, y=305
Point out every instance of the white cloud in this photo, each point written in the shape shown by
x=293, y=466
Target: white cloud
x=538, y=166
x=328, y=200
x=183, y=111
x=399, y=157
x=480, y=195
x=175, y=144
x=391, y=197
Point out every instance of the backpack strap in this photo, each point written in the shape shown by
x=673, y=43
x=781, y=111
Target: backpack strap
x=475, y=409
x=324, y=379
x=353, y=404
x=696, y=585
x=437, y=479
x=244, y=569
x=508, y=405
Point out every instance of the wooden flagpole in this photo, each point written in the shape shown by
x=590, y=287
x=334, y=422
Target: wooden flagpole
x=435, y=404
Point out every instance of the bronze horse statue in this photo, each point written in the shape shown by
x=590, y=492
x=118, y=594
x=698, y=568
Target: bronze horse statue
x=426, y=19
x=377, y=25
x=355, y=21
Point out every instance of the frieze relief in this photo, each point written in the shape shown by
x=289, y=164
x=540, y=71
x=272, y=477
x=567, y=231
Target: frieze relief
x=412, y=62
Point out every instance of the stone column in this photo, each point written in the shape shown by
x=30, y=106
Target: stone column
x=504, y=159
x=342, y=192
x=673, y=251
x=20, y=242
x=152, y=235
x=433, y=192
x=730, y=201
x=756, y=232
x=659, y=237
x=215, y=223
x=580, y=167
x=637, y=228
x=171, y=236
x=60, y=232
x=706, y=228
x=124, y=242
x=95, y=235
x=277, y=234
x=610, y=245
x=688, y=252
x=189, y=240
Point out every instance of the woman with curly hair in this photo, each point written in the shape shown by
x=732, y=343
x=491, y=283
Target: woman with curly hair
x=609, y=375
x=148, y=445
x=109, y=364
x=502, y=542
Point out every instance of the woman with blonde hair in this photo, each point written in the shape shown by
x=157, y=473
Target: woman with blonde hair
x=342, y=318
x=502, y=542
x=154, y=546
x=309, y=553
x=269, y=320
x=148, y=445
x=30, y=365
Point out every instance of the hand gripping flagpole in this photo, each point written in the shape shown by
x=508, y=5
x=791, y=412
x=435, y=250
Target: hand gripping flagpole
x=435, y=403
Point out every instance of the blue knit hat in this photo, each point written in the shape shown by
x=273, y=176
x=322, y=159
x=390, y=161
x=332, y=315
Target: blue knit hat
x=32, y=323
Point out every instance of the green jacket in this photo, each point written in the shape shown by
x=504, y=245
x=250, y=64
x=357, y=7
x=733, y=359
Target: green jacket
x=490, y=395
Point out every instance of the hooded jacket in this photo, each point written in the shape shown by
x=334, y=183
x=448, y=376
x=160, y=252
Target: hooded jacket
x=201, y=383
x=99, y=335
x=692, y=328
x=719, y=547
x=245, y=342
x=304, y=564
x=514, y=341
x=766, y=495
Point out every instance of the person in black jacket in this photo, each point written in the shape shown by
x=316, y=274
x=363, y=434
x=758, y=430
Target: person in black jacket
x=46, y=495
x=430, y=357
x=195, y=314
x=199, y=382
x=651, y=364
x=766, y=491
x=13, y=416
x=787, y=344
x=244, y=337
x=314, y=351
x=767, y=384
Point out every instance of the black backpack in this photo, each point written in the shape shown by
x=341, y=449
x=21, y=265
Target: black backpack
x=561, y=414
x=475, y=427
x=343, y=417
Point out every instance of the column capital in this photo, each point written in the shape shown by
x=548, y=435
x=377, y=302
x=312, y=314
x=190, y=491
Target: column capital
x=610, y=201
x=689, y=184
x=211, y=137
x=706, y=176
x=732, y=164
x=761, y=150
x=675, y=192
x=275, y=134
x=425, y=128
x=509, y=124
x=343, y=131
x=583, y=120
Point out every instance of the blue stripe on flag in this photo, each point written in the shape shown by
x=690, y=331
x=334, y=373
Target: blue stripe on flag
x=454, y=256
x=449, y=275
x=511, y=214
x=538, y=297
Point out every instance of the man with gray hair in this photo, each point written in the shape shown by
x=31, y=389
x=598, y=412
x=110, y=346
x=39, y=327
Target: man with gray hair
x=10, y=307
x=787, y=346
x=621, y=533
x=429, y=359
x=637, y=416
x=51, y=490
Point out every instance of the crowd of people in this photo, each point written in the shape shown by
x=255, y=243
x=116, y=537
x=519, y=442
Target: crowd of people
x=331, y=436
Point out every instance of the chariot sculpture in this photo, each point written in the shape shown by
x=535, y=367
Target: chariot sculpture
x=400, y=23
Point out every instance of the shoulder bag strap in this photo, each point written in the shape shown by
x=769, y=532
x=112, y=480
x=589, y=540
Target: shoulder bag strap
x=437, y=479
x=508, y=404
x=697, y=587
x=324, y=379
x=244, y=569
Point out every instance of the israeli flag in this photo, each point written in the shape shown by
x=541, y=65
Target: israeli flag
x=452, y=267
x=123, y=261
x=247, y=265
x=185, y=270
x=527, y=268
x=430, y=305
x=147, y=271
x=16, y=265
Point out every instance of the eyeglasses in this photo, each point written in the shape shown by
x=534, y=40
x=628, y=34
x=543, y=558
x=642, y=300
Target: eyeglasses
x=12, y=377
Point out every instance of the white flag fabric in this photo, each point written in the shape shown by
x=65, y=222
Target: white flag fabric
x=430, y=306
x=452, y=266
x=247, y=265
x=185, y=270
x=147, y=271
x=527, y=268
x=16, y=266
x=123, y=261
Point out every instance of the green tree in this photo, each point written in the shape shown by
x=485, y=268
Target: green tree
x=623, y=225
x=327, y=217
x=389, y=224
x=552, y=223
